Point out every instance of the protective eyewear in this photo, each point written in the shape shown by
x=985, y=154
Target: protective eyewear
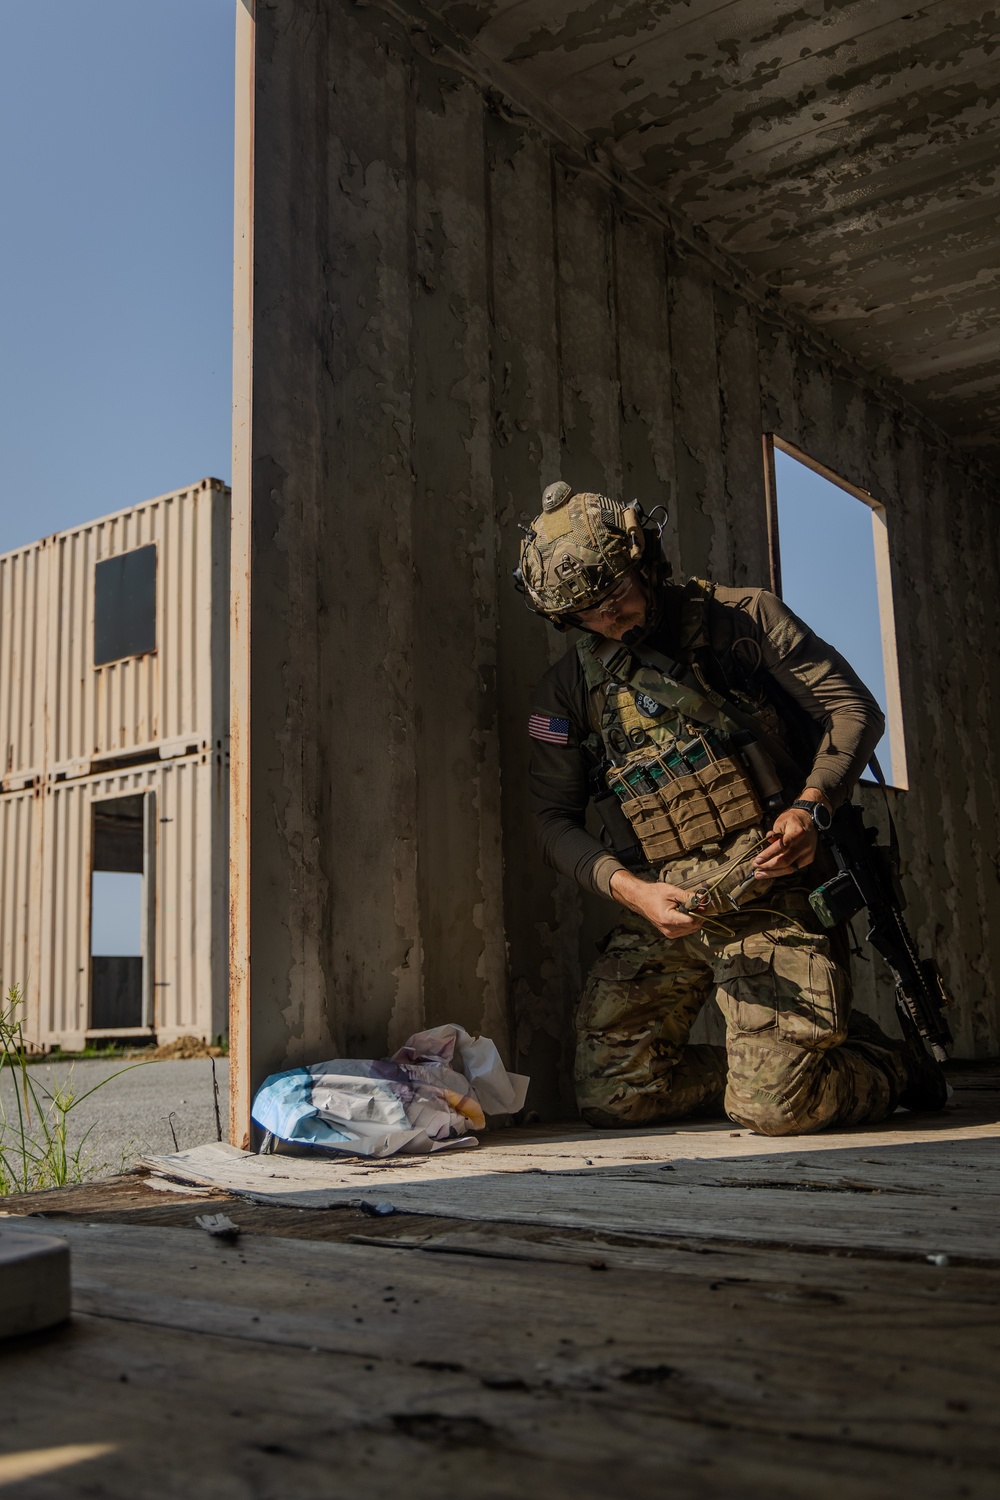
x=610, y=602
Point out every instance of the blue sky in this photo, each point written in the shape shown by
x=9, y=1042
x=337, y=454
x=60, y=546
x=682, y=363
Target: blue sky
x=828, y=570
x=116, y=141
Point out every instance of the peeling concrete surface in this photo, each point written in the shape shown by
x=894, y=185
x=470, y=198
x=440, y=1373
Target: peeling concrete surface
x=844, y=153
x=452, y=308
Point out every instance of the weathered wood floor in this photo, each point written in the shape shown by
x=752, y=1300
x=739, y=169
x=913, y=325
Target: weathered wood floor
x=331, y=1353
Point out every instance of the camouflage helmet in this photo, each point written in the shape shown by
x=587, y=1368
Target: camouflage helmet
x=577, y=550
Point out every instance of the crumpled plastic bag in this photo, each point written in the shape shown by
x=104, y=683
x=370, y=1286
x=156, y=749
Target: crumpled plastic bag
x=433, y=1093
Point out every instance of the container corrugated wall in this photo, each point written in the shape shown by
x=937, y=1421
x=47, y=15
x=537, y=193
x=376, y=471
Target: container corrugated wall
x=190, y=899
x=23, y=596
x=169, y=693
x=20, y=884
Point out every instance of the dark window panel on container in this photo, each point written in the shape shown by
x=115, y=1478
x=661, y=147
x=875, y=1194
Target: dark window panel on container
x=115, y=992
x=118, y=834
x=125, y=605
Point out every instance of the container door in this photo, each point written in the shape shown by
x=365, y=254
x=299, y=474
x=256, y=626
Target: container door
x=121, y=928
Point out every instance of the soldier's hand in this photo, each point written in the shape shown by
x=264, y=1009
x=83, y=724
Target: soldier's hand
x=792, y=848
x=656, y=901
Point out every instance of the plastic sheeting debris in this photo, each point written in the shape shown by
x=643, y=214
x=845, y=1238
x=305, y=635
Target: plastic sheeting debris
x=218, y=1225
x=433, y=1093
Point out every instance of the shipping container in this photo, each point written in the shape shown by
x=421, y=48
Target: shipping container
x=114, y=808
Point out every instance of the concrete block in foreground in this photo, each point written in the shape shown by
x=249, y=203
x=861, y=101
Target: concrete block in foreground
x=34, y=1282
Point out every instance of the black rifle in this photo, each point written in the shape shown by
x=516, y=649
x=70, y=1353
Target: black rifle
x=868, y=878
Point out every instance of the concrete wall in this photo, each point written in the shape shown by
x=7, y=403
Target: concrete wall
x=441, y=309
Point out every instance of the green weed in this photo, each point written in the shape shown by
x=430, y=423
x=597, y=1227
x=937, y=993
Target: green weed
x=35, y=1149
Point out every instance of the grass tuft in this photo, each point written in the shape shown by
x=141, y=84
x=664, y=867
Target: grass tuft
x=35, y=1152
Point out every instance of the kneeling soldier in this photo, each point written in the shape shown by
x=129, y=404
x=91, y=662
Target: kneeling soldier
x=685, y=712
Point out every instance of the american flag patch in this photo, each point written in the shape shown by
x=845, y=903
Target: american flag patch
x=549, y=731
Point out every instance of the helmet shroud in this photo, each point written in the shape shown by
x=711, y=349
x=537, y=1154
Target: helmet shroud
x=576, y=551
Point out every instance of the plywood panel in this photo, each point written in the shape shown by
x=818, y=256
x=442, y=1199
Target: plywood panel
x=455, y=566
x=644, y=368
x=746, y=558
x=333, y=890
x=368, y=851
x=697, y=421
x=541, y=911
x=967, y=795
x=587, y=349
x=955, y=920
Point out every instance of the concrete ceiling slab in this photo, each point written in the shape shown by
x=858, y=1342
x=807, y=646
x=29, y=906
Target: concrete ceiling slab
x=844, y=154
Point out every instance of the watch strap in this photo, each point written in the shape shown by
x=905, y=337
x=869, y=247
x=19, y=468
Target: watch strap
x=807, y=805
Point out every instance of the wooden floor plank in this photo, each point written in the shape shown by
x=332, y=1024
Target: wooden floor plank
x=672, y=1200
x=293, y=1365
x=912, y=1187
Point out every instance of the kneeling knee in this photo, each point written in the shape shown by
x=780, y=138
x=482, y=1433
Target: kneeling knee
x=608, y=1119
x=766, y=1114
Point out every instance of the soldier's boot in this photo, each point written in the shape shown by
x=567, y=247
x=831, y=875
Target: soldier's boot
x=926, y=1088
x=917, y=1079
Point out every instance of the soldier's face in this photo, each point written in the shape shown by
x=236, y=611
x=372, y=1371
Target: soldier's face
x=623, y=610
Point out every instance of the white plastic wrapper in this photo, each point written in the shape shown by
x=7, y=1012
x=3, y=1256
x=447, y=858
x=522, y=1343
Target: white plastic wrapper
x=433, y=1093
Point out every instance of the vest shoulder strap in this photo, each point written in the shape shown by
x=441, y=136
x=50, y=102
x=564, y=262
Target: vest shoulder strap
x=607, y=661
x=641, y=668
x=597, y=679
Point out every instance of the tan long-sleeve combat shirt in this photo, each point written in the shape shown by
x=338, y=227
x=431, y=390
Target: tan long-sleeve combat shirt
x=742, y=640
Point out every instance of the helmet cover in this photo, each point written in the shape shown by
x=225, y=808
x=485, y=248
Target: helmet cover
x=577, y=550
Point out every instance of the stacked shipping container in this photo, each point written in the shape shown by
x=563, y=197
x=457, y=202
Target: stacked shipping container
x=78, y=732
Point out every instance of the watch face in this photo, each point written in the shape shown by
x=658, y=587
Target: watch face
x=821, y=816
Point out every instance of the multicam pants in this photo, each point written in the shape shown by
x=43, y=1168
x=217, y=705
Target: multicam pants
x=795, y=1059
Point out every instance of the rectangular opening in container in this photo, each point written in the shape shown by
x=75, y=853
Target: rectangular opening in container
x=125, y=605
x=117, y=914
x=829, y=550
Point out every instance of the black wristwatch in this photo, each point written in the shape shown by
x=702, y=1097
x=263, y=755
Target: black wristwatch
x=818, y=811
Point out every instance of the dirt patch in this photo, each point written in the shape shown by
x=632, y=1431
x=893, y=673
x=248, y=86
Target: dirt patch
x=183, y=1047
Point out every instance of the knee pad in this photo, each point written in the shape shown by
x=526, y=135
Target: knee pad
x=766, y=1114
x=600, y=1119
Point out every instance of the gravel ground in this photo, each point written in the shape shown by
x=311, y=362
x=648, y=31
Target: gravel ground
x=129, y=1114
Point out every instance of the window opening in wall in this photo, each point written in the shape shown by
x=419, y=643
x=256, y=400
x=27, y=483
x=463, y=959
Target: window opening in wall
x=125, y=605
x=830, y=565
x=118, y=925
